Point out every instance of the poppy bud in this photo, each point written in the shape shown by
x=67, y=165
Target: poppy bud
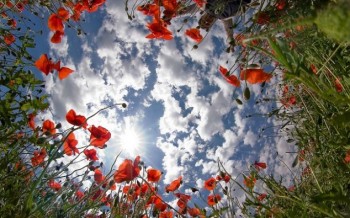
x=124, y=105
x=58, y=126
x=246, y=93
x=195, y=46
x=239, y=101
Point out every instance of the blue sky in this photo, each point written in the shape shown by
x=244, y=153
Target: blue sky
x=179, y=105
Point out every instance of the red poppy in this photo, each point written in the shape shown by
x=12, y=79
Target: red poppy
x=132, y=191
x=194, y=212
x=166, y=214
x=183, y=200
x=347, y=157
x=91, y=154
x=70, y=144
x=31, y=122
x=210, y=184
x=57, y=37
x=262, y=18
x=98, y=176
x=261, y=197
x=149, y=9
x=99, y=136
x=79, y=194
x=232, y=79
x=39, y=157
x=153, y=175
x=260, y=165
x=171, y=7
x=158, y=30
x=280, y=4
x=64, y=72
x=49, y=126
x=54, y=185
x=55, y=23
x=20, y=6
x=12, y=23
x=338, y=85
x=249, y=181
x=254, y=76
x=174, y=185
x=227, y=178
x=45, y=65
x=313, y=69
x=127, y=171
x=76, y=120
x=63, y=14
x=194, y=34
x=213, y=199
x=9, y=38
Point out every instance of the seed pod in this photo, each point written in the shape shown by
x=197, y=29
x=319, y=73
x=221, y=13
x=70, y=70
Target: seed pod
x=246, y=93
x=239, y=101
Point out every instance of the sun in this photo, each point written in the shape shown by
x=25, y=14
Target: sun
x=130, y=140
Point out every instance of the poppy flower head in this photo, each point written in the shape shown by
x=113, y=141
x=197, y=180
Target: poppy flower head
x=69, y=146
x=153, y=175
x=55, y=23
x=194, y=34
x=99, y=136
x=158, y=30
x=45, y=65
x=63, y=72
x=231, y=79
x=194, y=212
x=98, y=176
x=127, y=171
x=174, y=185
x=49, y=127
x=210, y=184
x=261, y=197
x=76, y=120
x=249, y=181
x=260, y=165
x=9, y=39
x=183, y=200
x=57, y=37
x=213, y=199
x=54, y=185
x=149, y=9
x=38, y=157
x=166, y=214
x=254, y=76
x=31, y=121
x=90, y=154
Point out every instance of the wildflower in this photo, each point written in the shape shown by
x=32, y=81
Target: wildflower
x=31, y=122
x=166, y=214
x=153, y=175
x=9, y=38
x=49, y=127
x=262, y=18
x=281, y=4
x=213, y=199
x=57, y=37
x=149, y=9
x=194, y=212
x=174, y=185
x=54, y=185
x=98, y=176
x=347, y=157
x=158, y=30
x=45, y=65
x=90, y=154
x=12, y=23
x=76, y=120
x=79, y=194
x=249, y=181
x=194, y=34
x=39, y=157
x=70, y=144
x=260, y=165
x=261, y=197
x=127, y=171
x=210, y=184
x=183, y=199
x=254, y=76
x=232, y=79
x=99, y=136
x=338, y=85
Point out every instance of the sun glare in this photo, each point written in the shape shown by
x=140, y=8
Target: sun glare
x=130, y=140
